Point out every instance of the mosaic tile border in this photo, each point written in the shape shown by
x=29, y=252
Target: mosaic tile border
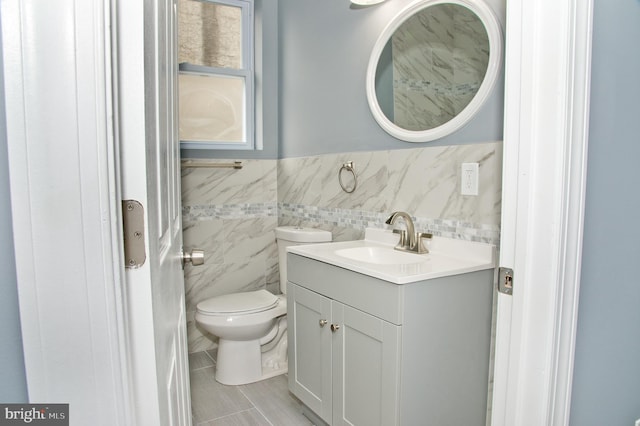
x=357, y=219
x=344, y=218
x=229, y=211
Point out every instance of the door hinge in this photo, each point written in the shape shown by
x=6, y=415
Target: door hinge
x=505, y=280
x=133, y=233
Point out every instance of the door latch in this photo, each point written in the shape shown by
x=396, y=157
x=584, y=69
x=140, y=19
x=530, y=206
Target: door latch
x=505, y=280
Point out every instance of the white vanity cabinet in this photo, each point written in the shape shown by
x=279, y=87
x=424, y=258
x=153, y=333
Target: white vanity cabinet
x=366, y=352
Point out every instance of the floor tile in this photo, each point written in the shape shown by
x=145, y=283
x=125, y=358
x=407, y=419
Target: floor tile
x=251, y=417
x=213, y=353
x=199, y=360
x=212, y=400
x=273, y=399
x=267, y=402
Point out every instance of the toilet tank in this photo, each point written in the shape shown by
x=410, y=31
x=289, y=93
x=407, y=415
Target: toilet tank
x=294, y=236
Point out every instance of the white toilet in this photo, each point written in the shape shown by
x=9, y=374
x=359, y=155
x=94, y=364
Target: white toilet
x=252, y=326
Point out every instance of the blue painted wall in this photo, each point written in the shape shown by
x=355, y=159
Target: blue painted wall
x=13, y=383
x=315, y=56
x=606, y=384
x=324, y=54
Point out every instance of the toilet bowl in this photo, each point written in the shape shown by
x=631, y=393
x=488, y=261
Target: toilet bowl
x=251, y=326
x=244, y=323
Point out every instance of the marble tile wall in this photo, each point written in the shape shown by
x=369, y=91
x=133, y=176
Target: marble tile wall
x=232, y=214
x=424, y=182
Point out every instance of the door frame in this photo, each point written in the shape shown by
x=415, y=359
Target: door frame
x=530, y=385
x=65, y=206
x=548, y=65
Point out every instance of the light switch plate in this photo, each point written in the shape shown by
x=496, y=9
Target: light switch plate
x=469, y=180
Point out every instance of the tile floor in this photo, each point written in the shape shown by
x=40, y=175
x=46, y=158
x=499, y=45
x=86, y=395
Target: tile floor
x=267, y=402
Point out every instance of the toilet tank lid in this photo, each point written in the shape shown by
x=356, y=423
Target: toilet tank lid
x=247, y=302
x=301, y=234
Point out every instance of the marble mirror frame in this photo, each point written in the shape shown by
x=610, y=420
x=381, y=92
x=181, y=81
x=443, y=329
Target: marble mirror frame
x=494, y=32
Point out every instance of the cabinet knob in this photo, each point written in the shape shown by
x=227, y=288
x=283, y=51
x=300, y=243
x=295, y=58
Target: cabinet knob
x=335, y=327
x=323, y=322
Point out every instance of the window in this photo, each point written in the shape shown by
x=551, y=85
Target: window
x=216, y=74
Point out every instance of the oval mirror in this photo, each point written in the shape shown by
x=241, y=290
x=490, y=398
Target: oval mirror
x=433, y=67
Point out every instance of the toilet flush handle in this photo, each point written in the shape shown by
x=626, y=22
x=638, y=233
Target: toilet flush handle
x=195, y=257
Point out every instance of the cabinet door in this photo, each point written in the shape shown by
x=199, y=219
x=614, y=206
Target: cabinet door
x=309, y=337
x=366, y=357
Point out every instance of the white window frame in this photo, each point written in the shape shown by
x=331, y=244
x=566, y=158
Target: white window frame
x=247, y=72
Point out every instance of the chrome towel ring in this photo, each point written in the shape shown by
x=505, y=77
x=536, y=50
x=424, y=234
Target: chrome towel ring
x=348, y=166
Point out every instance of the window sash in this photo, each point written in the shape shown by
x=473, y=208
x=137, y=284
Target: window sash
x=246, y=72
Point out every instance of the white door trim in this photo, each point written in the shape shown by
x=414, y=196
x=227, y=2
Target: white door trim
x=548, y=64
x=64, y=197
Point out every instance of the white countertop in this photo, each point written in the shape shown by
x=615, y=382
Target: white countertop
x=446, y=257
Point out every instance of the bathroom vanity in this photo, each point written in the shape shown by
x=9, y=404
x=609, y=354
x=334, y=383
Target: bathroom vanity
x=401, y=341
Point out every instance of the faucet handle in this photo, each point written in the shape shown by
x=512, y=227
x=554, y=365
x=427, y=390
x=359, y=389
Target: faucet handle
x=420, y=248
x=403, y=236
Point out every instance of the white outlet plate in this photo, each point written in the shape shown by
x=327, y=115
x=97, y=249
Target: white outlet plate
x=469, y=178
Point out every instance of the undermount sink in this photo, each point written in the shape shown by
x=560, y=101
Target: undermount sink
x=381, y=255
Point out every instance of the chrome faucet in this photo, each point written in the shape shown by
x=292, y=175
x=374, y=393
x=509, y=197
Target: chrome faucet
x=410, y=240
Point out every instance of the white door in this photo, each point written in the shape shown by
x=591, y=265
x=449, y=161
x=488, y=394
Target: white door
x=146, y=110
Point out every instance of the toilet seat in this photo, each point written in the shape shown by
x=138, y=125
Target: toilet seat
x=238, y=303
